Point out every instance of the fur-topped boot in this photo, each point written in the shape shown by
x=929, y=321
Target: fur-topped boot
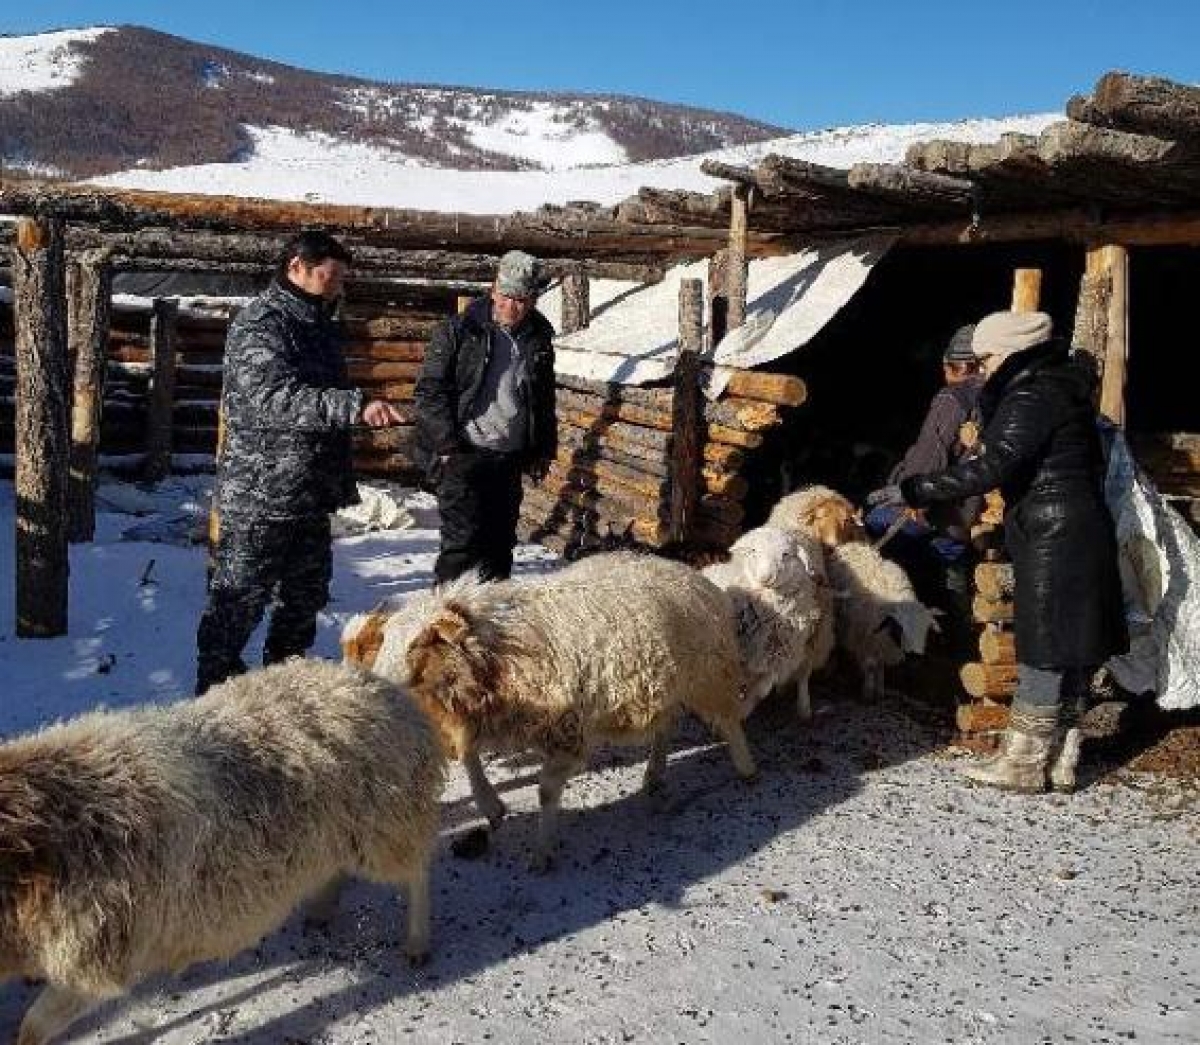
x=1029, y=744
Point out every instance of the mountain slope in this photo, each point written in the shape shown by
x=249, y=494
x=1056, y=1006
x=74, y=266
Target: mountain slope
x=314, y=167
x=89, y=102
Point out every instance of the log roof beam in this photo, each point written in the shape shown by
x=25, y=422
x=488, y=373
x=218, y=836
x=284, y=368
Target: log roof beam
x=553, y=232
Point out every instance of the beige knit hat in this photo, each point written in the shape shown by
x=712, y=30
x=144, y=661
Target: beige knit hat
x=1003, y=333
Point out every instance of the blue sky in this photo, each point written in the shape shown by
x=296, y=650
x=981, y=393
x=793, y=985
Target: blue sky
x=798, y=63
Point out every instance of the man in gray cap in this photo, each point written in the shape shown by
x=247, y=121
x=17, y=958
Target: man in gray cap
x=485, y=415
x=934, y=547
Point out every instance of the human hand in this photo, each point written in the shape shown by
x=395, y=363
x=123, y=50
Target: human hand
x=379, y=413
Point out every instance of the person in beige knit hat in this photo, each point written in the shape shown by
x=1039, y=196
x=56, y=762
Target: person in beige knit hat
x=998, y=336
x=1041, y=447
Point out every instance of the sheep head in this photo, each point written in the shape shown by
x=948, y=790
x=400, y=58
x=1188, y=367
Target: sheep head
x=451, y=672
x=771, y=559
x=835, y=521
x=915, y=621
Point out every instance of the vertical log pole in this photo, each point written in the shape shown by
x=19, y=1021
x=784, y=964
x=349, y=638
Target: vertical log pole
x=576, y=300
x=42, y=392
x=686, y=413
x=1116, y=351
x=1102, y=322
x=718, y=320
x=1027, y=290
x=160, y=415
x=89, y=302
x=737, y=273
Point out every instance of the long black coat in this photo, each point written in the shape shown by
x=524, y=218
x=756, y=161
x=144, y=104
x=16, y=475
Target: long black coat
x=1041, y=448
x=452, y=377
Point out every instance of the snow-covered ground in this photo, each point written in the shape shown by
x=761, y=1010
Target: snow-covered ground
x=858, y=893
x=44, y=62
x=286, y=164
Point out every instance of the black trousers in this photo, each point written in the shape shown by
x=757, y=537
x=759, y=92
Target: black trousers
x=254, y=562
x=479, y=499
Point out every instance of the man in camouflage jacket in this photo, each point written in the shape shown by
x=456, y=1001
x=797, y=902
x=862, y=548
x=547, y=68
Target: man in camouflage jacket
x=284, y=464
x=485, y=414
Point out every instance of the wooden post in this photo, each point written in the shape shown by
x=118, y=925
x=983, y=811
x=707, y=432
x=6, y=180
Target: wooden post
x=1116, y=350
x=737, y=272
x=461, y=303
x=162, y=390
x=576, y=300
x=89, y=301
x=1027, y=290
x=41, y=432
x=687, y=414
x=718, y=320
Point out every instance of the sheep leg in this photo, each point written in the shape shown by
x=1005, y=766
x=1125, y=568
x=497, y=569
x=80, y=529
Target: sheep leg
x=419, y=916
x=490, y=804
x=872, y=680
x=322, y=907
x=656, y=765
x=51, y=1013
x=556, y=771
x=803, y=697
x=730, y=730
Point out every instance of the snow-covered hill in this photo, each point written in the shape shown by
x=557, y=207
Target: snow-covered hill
x=95, y=101
x=287, y=165
x=45, y=62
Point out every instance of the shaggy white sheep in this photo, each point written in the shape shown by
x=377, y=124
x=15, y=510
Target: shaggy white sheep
x=879, y=617
x=138, y=841
x=610, y=649
x=776, y=582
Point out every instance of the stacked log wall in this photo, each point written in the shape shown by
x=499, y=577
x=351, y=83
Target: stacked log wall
x=611, y=477
x=384, y=355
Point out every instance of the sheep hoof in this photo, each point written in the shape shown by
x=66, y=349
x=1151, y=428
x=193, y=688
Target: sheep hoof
x=417, y=959
x=658, y=798
x=494, y=812
x=472, y=844
x=316, y=923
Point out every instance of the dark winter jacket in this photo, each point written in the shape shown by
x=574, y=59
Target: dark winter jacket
x=453, y=375
x=287, y=409
x=1040, y=446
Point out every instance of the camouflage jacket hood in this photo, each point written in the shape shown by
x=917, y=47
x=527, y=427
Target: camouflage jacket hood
x=288, y=408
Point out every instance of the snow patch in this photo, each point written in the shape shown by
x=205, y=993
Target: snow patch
x=286, y=164
x=549, y=136
x=45, y=62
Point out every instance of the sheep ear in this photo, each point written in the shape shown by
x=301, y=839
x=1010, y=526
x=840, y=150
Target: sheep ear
x=449, y=626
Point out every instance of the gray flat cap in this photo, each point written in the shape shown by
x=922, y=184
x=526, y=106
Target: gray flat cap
x=519, y=275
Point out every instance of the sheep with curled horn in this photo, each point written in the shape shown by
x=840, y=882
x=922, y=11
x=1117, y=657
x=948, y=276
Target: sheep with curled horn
x=611, y=649
x=140, y=841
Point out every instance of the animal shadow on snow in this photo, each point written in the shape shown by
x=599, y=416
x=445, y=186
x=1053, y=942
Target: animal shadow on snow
x=614, y=856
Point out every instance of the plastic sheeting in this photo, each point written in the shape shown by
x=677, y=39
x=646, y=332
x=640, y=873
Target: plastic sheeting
x=1160, y=576
x=634, y=334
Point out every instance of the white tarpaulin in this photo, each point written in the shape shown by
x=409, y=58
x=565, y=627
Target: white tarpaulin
x=1160, y=576
x=634, y=334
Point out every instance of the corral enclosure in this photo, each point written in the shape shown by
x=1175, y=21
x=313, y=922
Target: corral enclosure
x=1096, y=220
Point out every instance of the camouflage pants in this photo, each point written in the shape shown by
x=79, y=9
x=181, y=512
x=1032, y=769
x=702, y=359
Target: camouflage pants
x=253, y=563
